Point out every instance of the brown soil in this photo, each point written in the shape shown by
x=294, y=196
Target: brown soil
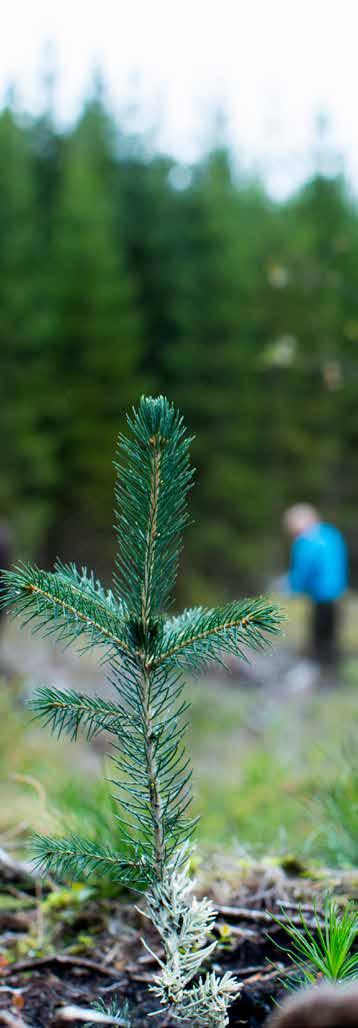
x=113, y=963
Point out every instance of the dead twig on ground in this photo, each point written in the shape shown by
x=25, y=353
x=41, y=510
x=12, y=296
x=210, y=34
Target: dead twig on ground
x=12, y=1020
x=307, y=908
x=73, y=1013
x=15, y=870
x=58, y=958
x=259, y=916
x=266, y=975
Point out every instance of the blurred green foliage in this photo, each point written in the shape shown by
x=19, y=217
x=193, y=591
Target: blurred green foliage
x=117, y=274
x=336, y=810
x=270, y=777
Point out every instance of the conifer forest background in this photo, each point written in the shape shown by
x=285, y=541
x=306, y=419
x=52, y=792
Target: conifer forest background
x=122, y=272
x=125, y=272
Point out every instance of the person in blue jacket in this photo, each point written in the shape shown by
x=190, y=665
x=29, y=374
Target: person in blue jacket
x=319, y=569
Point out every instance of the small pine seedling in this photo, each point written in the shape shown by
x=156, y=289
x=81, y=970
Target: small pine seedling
x=146, y=653
x=325, y=951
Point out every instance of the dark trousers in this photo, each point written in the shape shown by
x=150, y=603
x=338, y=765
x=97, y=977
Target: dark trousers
x=325, y=623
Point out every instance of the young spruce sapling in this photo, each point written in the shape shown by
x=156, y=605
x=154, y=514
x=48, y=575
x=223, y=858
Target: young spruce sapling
x=146, y=652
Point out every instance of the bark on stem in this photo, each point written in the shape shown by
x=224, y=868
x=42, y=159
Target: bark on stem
x=147, y=588
x=152, y=771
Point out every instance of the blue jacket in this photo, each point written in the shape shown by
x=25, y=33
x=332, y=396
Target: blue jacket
x=319, y=563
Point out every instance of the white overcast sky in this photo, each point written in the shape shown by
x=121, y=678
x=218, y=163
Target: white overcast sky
x=273, y=65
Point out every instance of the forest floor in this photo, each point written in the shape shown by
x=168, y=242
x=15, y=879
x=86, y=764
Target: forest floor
x=63, y=949
x=275, y=782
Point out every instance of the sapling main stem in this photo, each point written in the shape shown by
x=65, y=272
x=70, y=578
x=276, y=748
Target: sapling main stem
x=154, y=789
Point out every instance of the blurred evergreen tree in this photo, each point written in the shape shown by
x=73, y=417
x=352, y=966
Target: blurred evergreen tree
x=327, y=268
x=213, y=365
x=151, y=218
x=97, y=332
x=27, y=470
x=310, y=308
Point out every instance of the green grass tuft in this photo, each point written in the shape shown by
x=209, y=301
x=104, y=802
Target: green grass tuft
x=325, y=950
